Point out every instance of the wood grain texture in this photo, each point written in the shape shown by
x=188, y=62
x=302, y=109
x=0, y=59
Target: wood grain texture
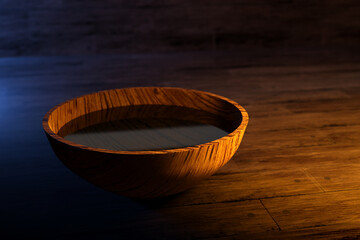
x=64, y=27
x=145, y=174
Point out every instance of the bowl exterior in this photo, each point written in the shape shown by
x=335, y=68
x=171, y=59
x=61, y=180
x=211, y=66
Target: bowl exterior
x=148, y=175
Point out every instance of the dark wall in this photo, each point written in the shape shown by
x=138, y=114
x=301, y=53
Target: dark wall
x=63, y=27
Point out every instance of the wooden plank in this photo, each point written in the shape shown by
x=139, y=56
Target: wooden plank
x=144, y=25
x=331, y=210
x=245, y=219
x=247, y=185
x=337, y=176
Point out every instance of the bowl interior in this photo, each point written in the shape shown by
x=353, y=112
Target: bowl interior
x=144, y=103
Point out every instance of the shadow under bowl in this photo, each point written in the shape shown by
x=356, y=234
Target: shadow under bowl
x=146, y=173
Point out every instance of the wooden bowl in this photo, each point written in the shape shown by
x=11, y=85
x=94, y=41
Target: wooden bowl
x=146, y=174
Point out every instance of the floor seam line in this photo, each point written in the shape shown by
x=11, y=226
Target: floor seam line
x=279, y=228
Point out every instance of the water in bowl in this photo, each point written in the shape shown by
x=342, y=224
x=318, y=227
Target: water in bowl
x=145, y=128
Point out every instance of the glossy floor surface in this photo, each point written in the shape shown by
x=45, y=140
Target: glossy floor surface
x=296, y=174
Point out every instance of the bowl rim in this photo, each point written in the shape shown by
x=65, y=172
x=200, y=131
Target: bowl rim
x=241, y=127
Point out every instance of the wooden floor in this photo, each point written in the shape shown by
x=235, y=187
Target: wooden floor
x=296, y=174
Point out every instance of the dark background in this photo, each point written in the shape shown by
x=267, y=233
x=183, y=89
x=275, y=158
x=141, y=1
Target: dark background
x=78, y=27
